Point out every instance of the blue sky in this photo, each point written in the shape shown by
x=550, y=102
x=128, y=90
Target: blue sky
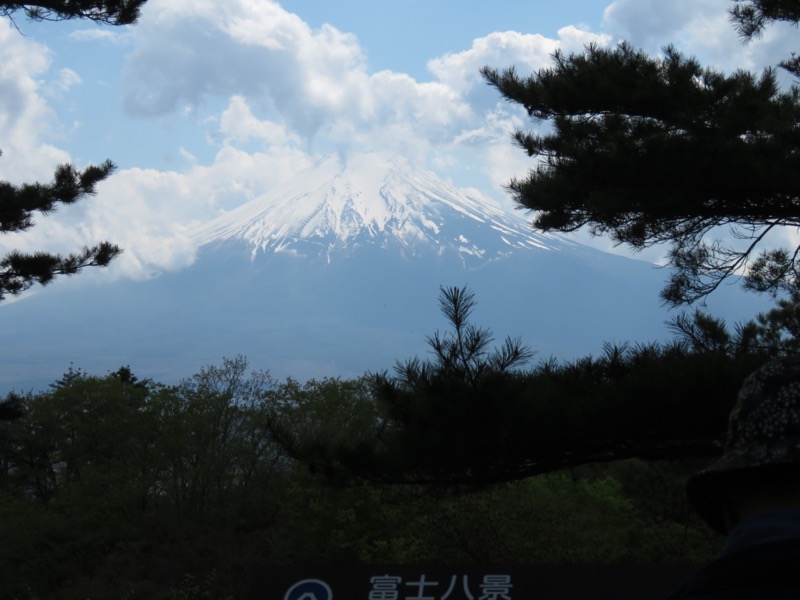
x=404, y=35
x=206, y=104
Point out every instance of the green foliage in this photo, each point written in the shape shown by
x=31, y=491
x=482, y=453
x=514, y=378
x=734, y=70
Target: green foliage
x=10, y=407
x=325, y=423
x=665, y=528
x=213, y=439
x=116, y=487
x=99, y=469
x=665, y=151
x=551, y=518
x=76, y=473
x=351, y=524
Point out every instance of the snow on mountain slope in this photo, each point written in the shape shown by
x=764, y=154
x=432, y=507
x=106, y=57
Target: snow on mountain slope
x=335, y=207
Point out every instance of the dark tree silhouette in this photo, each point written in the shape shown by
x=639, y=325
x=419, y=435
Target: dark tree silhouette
x=472, y=415
x=661, y=150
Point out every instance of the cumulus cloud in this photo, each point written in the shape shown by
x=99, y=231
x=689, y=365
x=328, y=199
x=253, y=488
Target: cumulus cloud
x=460, y=70
x=26, y=120
x=189, y=50
x=314, y=83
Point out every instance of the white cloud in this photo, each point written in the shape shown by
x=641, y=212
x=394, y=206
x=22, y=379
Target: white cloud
x=526, y=52
x=460, y=70
x=237, y=123
x=187, y=51
x=310, y=87
x=575, y=39
x=26, y=121
x=643, y=22
x=701, y=28
x=314, y=84
x=92, y=35
x=67, y=78
x=191, y=158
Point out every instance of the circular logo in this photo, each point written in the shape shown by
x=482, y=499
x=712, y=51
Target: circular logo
x=309, y=589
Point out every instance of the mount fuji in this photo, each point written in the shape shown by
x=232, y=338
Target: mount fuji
x=339, y=207
x=337, y=273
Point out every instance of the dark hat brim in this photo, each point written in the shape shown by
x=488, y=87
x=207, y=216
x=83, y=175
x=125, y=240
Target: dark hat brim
x=763, y=432
x=706, y=489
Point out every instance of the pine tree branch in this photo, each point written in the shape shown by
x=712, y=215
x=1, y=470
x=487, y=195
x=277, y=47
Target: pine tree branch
x=18, y=271
x=108, y=12
x=661, y=150
x=19, y=204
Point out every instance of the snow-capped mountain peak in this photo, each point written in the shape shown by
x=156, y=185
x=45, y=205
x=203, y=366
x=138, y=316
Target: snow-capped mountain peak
x=372, y=199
